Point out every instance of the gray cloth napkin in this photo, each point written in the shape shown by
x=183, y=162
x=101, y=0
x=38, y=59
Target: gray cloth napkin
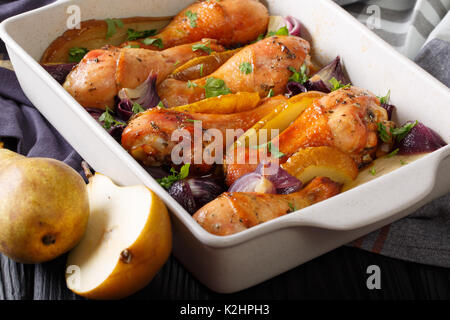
x=421, y=30
x=422, y=237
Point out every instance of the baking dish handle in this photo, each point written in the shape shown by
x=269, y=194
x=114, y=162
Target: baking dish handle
x=370, y=203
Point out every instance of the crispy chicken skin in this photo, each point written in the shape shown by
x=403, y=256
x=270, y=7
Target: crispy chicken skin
x=147, y=137
x=346, y=119
x=97, y=79
x=232, y=22
x=270, y=59
x=234, y=212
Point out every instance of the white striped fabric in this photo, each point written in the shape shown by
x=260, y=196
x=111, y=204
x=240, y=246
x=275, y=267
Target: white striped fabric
x=406, y=24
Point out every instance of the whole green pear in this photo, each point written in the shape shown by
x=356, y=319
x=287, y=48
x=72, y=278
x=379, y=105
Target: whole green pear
x=44, y=207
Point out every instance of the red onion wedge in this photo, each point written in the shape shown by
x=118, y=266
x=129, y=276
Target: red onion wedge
x=194, y=193
x=59, y=71
x=145, y=95
x=420, y=139
x=253, y=182
x=281, y=179
x=294, y=26
x=267, y=178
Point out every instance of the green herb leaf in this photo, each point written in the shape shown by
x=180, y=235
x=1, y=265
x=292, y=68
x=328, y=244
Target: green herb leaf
x=271, y=148
x=137, y=108
x=393, y=153
x=192, y=120
x=108, y=119
x=134, y=34
x=167, y=182
x=337, y=84
x=191, y=84
x=192, y=18
x=274, y=151
x=373, y=171
x=402, y=162
x=292, y=207
x=201, y=70
x=161, y=105
x=157, y=42
x=270, y=94
x=201, y=46
x=215, y=87
x=382, y=132
x=176, y=62
x=246, y=67
x=283, y=31
x=76, y=54
x=400, y=133
x=386, y=98
x=112, y=23
x=132, y=46
x=299, y=76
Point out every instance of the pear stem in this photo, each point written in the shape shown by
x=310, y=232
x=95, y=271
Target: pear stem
x=87, y=171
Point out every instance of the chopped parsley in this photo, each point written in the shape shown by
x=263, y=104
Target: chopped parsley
x=132, y=46
x=215, y=87
x=134, y=34
x=108, y=119
x=246, y=67
x=400, y=133
x=168, y=181
x=382, y=132
x=298, y=76
x=192, y=18
x=283, y=31
x=191, y=84
x=386, y=98
x=393, y=153
x=202, y=46
x=337, y=84
x=402, y=162
x=137, y=108
x=292, y=207
x=192, y=120
x=270, y=94
x=176, y=62
x=373, y=171
x=112, y=25
x=157, y=42
x=397, y=133
x=161, y=105
x=76, y=54
x=274, y=151
x=201, y=70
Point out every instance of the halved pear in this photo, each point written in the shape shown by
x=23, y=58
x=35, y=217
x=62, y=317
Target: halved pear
x=308, y=163
x=128, y=239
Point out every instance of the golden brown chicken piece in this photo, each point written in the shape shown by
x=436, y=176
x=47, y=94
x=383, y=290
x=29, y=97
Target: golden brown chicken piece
x=346, y=119
x=97, y=79
x=148, y=136
x=268, y=61
x=231, y=22
x=234, y=212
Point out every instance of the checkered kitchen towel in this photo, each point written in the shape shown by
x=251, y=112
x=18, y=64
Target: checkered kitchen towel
x=419, y=29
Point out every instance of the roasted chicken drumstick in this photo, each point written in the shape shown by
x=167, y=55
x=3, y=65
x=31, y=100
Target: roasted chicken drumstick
x=231, y=22
x=346, y=119
x=267, y=62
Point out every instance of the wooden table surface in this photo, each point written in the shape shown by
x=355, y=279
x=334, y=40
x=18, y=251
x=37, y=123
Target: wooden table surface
x=339, y=274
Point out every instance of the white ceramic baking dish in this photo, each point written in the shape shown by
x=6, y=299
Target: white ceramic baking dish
x=232, y=263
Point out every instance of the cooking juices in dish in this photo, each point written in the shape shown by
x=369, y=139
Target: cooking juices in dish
x=227, y=109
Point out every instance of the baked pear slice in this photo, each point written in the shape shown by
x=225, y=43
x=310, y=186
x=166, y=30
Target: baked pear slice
x=308, y=163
